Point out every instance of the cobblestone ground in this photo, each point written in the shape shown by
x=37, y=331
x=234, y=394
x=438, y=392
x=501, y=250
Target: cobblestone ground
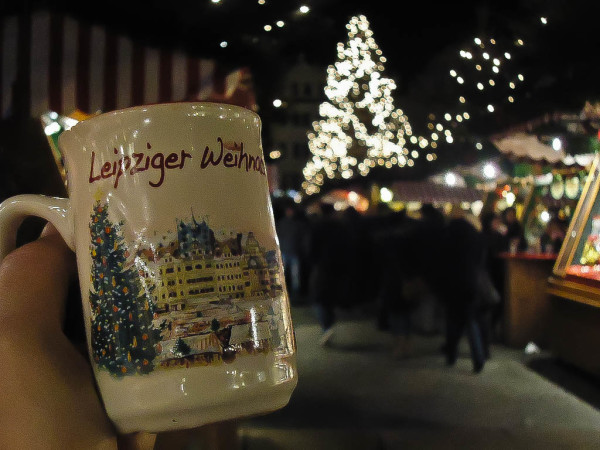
x=354, y=395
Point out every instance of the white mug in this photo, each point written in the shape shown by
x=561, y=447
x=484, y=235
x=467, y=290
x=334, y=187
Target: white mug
x=185, y=306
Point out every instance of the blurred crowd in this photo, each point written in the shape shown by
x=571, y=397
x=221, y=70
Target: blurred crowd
x=398, y=264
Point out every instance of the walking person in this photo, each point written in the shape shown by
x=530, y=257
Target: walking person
x=330, y=265
x=458, y=289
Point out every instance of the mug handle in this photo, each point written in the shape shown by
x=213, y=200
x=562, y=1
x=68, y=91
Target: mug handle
x=15, y=209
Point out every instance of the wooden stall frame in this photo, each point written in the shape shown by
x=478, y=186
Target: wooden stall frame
x=575, y=230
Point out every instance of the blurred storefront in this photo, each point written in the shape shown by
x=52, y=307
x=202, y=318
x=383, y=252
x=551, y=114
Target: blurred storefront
x=575, y=283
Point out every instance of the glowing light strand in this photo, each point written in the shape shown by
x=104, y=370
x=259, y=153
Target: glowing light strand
x=360, y=128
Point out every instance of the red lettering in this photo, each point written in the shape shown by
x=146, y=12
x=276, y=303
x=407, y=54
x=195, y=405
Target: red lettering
x=184, y=155
x=124, y=165
x=172, y=161
x=228, y=161
x=107, y=170
x=160, y=165
x=92, y=177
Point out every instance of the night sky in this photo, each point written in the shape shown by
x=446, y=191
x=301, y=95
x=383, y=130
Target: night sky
x=421, y=42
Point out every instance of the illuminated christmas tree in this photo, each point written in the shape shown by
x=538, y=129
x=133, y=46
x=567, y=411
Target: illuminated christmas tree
x=122, y=334
x=360, y=127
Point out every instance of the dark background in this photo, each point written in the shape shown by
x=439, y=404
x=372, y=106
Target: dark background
x=421, y=41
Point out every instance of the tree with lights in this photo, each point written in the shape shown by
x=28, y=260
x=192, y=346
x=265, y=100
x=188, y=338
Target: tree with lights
x=123, y=337
x=360, y=127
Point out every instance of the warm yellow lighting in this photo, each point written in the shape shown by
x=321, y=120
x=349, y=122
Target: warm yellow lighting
x=480, y=86
x=461, y=99
x=453, y=73
x=520, y=42
x=478, y=146
x=486, y=55
x=478, y=67
x=495, y=69
x=280, y=23
x=52, y=128
x=268, y=27
x=511, y=99
x=460, y=80
x=304, y=9
x=275, y=154
x=466, y=115
x=492, y=83
x=342, y=143
x=520, y=77
x=450, y=179
x=447, y=117
x=512, y=85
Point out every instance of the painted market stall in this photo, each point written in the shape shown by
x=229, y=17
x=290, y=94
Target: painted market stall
x=544, y=189
x=574, y=285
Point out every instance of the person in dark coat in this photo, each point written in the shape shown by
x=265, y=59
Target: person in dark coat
x=496, y=242
x=396, y=279
x=514, y=229
x=462, y=253
x=330, y=259
x=289, y=233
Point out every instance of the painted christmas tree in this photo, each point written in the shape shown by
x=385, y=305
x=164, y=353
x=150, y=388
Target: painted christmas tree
x=123, y=338
x=360, y=128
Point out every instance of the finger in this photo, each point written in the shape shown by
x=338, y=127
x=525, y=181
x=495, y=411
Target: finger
x=136, y=441
x=49, y=229
x=34, y=280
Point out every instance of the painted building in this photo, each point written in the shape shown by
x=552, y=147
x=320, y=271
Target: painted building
x=198, y=269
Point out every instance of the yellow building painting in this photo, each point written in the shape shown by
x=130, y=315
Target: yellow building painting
x=206, y=276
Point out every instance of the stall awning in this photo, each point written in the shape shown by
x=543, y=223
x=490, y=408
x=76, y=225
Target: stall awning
x=74, y=65
x=528, y=146
x=428, y=192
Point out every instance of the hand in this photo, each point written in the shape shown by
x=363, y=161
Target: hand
x=49, y=398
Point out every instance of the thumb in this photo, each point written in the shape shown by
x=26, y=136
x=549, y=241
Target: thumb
x=34, y=280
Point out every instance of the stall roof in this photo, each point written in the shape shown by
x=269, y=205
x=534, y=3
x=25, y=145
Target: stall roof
x=428, y=192
x=524, y=145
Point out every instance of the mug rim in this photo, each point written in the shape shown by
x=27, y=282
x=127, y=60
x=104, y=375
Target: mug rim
x=156, y=106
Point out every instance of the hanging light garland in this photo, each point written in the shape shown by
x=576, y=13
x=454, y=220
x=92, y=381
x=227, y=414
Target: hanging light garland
x=489, y=62
x=486, y=67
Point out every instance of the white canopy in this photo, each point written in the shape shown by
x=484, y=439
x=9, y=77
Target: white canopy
x=528, y=146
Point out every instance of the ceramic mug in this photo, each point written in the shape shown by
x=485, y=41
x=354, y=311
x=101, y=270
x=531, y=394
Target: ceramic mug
x=185, y=306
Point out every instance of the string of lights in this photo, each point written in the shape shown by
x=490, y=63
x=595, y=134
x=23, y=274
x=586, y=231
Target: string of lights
x=360, y=126
x=487, y=77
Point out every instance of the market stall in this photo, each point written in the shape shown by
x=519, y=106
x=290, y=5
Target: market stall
x=575, y=284
x=545, y=186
